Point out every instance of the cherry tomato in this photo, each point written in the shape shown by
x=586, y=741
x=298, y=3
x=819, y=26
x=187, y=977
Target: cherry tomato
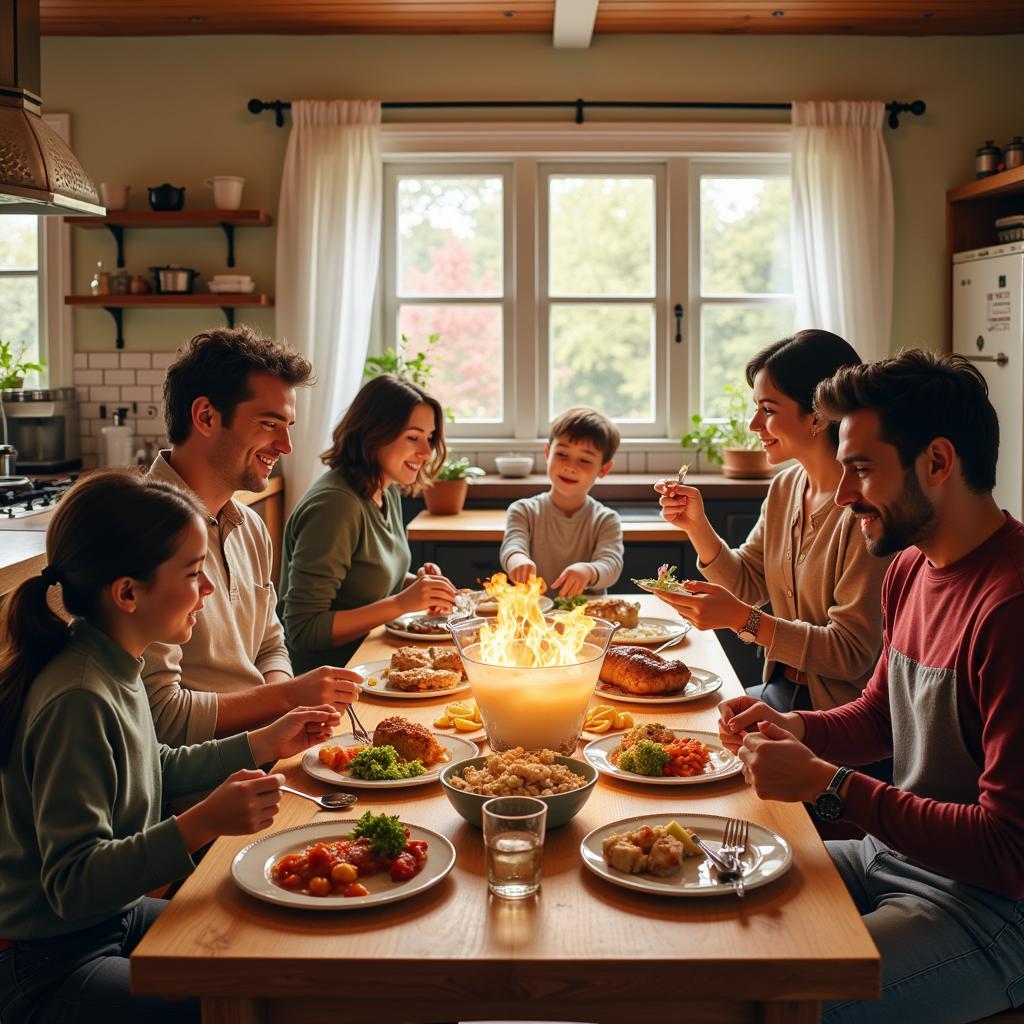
x=418, y=848
x=356, y=889
x=319, y=886
x=290, y=864
x=291, y=881
x=403, y=867
x=319, y=857
x=343, y=873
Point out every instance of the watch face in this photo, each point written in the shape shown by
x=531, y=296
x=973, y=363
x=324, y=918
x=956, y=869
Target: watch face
x=746, y=636
x=828, y=806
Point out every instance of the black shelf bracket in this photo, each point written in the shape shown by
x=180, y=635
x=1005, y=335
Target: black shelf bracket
x=229, y=231
x=118, y=314
x=229, y=312
x=118, y=232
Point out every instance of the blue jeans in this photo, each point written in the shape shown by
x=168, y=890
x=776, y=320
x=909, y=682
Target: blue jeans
x=951, y=953
x=82, y=978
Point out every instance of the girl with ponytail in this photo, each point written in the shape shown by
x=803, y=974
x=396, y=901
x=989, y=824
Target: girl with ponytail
x=82, y=776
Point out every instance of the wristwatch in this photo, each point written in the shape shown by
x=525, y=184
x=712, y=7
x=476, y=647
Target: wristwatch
x=748, y=634
x=828, y=806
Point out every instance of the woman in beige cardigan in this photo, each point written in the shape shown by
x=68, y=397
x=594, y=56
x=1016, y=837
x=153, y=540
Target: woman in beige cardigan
x=806, y=555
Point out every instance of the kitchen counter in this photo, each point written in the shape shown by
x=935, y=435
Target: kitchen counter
x=616, y=487
x=23, y=541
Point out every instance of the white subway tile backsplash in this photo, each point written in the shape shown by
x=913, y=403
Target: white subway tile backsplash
x=662, y=462
x=81, y=360
x=148, y=427
x=118, y=376
x=83, y=377
x=153, y=377
x=137, y=394
x=89, y=411
x=104, y=360
x=136, y=360
x=104, y=394
x=161, y=360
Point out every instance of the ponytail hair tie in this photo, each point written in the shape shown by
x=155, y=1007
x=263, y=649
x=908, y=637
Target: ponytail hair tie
x=50, y=576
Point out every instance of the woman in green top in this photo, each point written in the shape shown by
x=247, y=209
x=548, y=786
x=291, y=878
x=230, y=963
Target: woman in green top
x=82, y=776
x=345, y=568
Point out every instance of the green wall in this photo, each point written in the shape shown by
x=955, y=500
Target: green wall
x=145, y=111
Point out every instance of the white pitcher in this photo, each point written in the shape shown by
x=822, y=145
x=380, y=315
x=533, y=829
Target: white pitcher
x=227, y=191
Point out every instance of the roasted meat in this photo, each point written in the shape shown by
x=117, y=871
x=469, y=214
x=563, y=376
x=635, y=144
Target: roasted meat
x=409, y=657
x=424, y=679
x=625, y=613
x=410, y=740
x=639, y=671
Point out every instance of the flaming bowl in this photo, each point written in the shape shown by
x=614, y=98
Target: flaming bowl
x=523, y=705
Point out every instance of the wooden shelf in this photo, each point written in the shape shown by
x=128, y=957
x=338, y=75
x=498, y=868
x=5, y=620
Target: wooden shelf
x=175, y=219
x=227, y=300
x=995, y=185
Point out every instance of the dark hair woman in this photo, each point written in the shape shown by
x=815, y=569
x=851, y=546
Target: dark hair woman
x=82, y=777
x=345, y=568
x=805, y=555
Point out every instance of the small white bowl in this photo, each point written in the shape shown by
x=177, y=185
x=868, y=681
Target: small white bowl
x=514, y=465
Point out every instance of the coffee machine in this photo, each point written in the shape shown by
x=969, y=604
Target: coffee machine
x=42, y=425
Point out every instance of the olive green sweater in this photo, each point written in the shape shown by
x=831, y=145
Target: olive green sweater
x=340, y=552
x=81, y=835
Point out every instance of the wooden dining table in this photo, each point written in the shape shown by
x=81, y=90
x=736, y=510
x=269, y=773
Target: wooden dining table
x=582, y=949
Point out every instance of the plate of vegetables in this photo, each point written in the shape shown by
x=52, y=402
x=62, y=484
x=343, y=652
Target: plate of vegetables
x=344, y=761
x=664, y=582
x=343, y=865
x=659, y=756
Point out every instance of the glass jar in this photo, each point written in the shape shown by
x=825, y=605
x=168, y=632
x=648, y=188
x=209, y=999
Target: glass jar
x=100, y=283
x=986, y=159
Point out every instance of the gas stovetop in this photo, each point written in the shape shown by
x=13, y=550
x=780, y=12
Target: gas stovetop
x=38, y=497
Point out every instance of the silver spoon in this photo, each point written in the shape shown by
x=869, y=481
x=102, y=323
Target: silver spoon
x=329, y=801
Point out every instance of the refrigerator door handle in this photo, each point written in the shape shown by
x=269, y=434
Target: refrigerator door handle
x=1000, y=360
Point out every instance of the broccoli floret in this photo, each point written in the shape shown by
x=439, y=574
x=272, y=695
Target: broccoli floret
x=381, y=764
x=384, y=831
x=644, y=758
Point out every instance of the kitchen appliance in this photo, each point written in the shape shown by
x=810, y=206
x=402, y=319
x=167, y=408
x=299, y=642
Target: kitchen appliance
x=37, y=496
x=172, y=280
x=166, y=197
x=988, y=329
x=117, y=446
x=42, y=424
x=1010, y=229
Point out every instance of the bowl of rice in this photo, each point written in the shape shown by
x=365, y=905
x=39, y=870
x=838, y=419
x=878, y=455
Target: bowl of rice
x=563, y=783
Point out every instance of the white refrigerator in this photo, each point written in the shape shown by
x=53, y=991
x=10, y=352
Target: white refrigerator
x=988, y=328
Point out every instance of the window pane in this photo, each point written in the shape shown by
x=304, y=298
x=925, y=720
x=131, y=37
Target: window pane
x=603, y=356
x=19, y=314
x=744, y=230
x=19, y=245
x=449, y=236
x=601, y=236
x=467, y=356
x=730, y=335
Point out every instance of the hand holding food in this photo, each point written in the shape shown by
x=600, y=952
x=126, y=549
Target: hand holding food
x=326, y=685
x=292, y=733
x=428, y=591
x=574, y=579
x=707, y=605
x=521, y=569
x=780, y=767
x=741, y=714
x=681, y=506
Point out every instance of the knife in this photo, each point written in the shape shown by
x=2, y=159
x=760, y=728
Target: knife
x=726, y=872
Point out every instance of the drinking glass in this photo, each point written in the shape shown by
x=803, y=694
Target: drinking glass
x=514, y=841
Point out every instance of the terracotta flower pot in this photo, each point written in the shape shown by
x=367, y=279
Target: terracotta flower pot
x=745, y=463
x=446, y=497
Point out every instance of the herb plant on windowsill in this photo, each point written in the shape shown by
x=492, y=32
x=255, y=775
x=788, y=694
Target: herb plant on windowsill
x=446, y=496
x=727, y=441
x=13, y=368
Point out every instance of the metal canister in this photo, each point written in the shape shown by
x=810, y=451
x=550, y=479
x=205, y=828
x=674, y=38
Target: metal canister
x=1013, y=153
x=986, y=160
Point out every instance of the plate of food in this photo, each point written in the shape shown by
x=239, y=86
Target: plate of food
x=655, y=853
x=652, y=630
x=343, y=865
x=664, y=582
x=660, y=756
x=403, y=753
x=635, y=675
x=479, y=602
x=414, y=672
x=419, y=626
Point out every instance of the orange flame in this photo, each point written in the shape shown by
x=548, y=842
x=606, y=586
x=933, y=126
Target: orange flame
x=521, y=636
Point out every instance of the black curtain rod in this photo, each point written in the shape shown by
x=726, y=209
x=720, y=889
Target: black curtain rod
x=895, y=108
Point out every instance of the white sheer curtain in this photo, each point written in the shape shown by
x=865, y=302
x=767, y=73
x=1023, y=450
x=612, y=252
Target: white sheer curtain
x=328, y=251
x=843, y=223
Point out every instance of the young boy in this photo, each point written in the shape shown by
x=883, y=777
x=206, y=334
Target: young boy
x=564, y=536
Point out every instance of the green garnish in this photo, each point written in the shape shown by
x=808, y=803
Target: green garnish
x=384, y=831
x=566, y=604
x=666, y=579
x=381, y=764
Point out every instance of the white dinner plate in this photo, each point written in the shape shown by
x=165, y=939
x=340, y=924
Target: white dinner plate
x=543, y=602
x=723, y=765
x=702, y=682
x=399, y=627
x=458, y=750
x=768, y=857
x=374, y=670
x=251, y=868
x=660, y=631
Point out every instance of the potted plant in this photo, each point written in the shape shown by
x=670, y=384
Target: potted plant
x=13, y=368
x=417, y=369
x=727, y=441
x=447, y=494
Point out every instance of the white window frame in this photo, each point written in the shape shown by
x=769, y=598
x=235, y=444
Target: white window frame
x=527, y=147
x=762, y=168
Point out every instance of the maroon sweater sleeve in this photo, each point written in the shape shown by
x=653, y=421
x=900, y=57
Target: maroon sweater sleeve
x=981, y=843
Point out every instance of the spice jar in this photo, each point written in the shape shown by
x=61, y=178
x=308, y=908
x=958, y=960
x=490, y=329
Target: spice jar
x=986, y=160
x=119, y=282
x=138, y=285
x=100, y=283
x=1013, y=153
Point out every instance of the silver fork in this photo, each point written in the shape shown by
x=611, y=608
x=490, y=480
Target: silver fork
x=734, y=845
x=358, y=730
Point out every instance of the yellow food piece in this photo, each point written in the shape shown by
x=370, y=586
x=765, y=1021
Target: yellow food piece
x=690, y=848
x=466, y=724
x=476, y=715
x=444, y=722
x=602, y=726
x=623, y=720
x=372, y=681
x=459, y=709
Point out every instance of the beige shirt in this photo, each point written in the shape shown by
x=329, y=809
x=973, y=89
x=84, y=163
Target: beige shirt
x=238, y=637
x=824, y=587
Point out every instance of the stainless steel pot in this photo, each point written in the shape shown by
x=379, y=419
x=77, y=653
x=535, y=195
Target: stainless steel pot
x=174, y=280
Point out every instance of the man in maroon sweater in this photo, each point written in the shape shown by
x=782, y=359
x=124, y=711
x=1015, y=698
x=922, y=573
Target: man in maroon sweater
x=939, y=877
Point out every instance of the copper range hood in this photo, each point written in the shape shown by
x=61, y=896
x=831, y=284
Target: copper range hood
x=38, y=172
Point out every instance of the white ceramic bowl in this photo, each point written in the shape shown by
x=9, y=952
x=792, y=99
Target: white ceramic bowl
x=514, y=465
